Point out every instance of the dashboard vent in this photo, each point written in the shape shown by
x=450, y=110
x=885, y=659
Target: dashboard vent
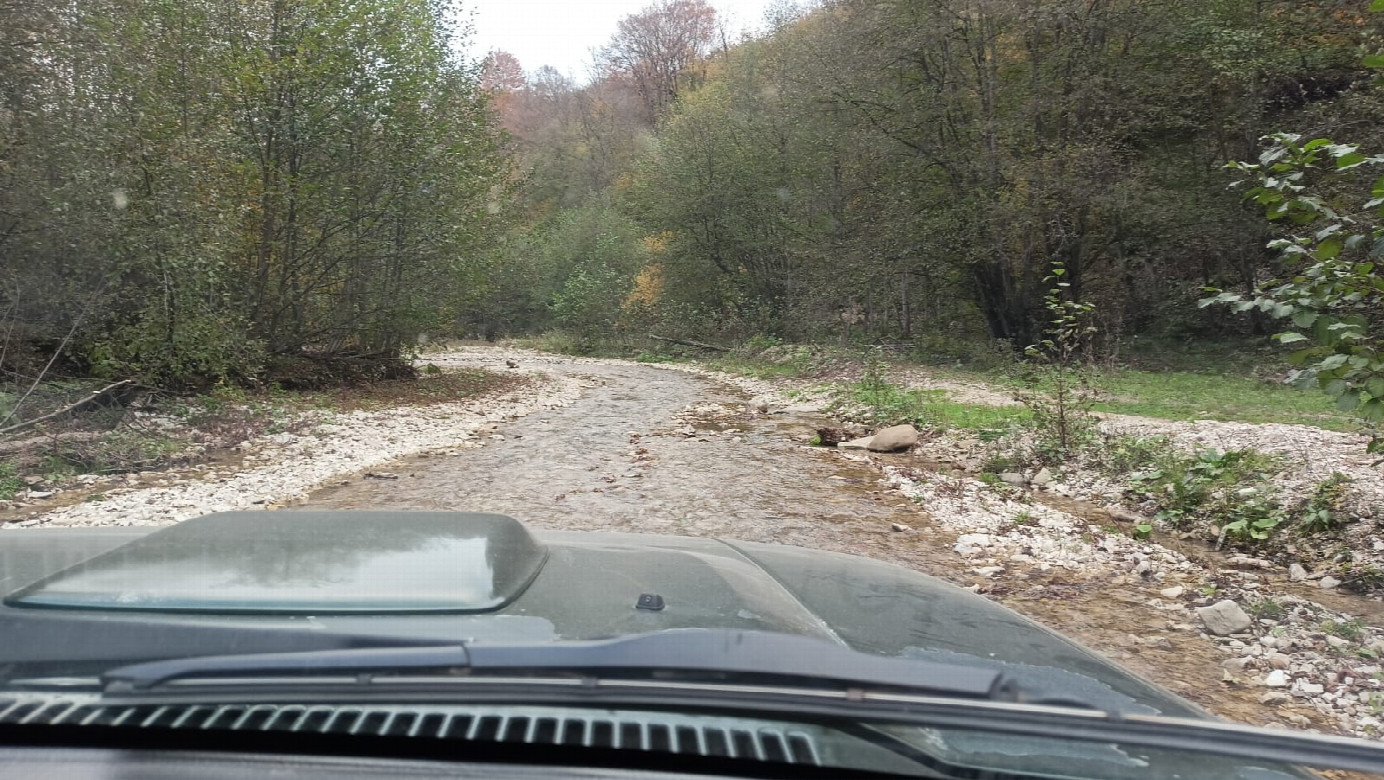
x=622, y=730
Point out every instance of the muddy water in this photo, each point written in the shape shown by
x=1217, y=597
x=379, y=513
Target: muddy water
x=617, y=460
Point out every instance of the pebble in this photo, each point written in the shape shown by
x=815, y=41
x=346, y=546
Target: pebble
x=1328, y=582
x=1172, y=593
x=1277, y=679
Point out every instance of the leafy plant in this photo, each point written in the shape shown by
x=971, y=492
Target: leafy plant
x=1269, y=608
x=1352, y=630
x=1323, y=511
x=1228, y=489
x=1331, y=294
x=10, y=483
x=654, y=357
x=1059, y=391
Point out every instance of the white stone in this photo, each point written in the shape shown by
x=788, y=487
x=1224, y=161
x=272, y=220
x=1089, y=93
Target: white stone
x=1296, y=573
x=1224, y=618
x=1174, y=592
x=1277, y=679
x=1328, y=582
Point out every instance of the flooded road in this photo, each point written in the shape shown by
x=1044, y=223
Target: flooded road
x=648, y=450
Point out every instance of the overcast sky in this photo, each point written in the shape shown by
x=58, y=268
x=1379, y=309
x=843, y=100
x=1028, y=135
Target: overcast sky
x=562, y=32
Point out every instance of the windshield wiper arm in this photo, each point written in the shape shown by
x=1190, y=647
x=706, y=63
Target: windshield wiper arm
x=715, y=652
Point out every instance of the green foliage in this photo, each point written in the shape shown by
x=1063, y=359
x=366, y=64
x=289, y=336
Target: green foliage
x=1330, y=296
x=221, y=185
x=10, y=483
x=1121, y=455
x=1352, y=630
x=1229, y=490
x=1323, y=512
x=1061, y=411
x=1268, y=608
x=889, y=404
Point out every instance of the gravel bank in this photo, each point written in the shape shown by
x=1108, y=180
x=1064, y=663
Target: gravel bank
x=282, y=468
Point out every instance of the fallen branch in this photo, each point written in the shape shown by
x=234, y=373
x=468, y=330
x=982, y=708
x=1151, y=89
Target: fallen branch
x=95, y=397
x=19, y=445
x=689, y=343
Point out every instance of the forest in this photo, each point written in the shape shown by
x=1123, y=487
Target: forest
x=196, y=192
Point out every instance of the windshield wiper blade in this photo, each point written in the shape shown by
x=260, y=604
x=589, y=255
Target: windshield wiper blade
x=726, y=654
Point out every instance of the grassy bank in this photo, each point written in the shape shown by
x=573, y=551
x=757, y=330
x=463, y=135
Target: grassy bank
x=1236, y=390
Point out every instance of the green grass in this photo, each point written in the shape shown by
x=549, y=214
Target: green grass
x=762, y=369
x=1180, y=395
x=1225, y=381
x=892, y=404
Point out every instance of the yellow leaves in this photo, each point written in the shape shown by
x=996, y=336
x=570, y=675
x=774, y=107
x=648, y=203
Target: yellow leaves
x=648, y=288
x=658, y=242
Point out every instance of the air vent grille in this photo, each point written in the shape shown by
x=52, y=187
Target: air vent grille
x=623, y=730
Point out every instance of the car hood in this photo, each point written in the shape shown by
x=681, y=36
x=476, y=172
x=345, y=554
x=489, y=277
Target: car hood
x=486, y=578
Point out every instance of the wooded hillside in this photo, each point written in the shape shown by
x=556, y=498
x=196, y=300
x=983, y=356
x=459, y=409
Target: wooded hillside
x=917, y=169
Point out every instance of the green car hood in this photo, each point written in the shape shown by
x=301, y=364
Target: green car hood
x=488, y=578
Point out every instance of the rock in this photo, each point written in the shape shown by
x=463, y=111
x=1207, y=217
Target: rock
x=1277, y=679
x=899, y=527
x=1224, y=618
x=899, y=437
x=1280, y=660
x=974, y=540
x=863, y=443
x=1337, y=642
x=761, y=404
x=1012, y=478
x=33, y=479
x=37, y=494
x=1309, y=689
x=1234, y=665
x=1275, y=698
x=1328, y=582
x=1172, y=593
x=1125, y=516
x=1043, y=477
x=830, y=437
x=1296, y=573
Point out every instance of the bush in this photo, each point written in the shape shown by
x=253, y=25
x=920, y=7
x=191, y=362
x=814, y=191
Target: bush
x=1228, y=490
x=1323, y=512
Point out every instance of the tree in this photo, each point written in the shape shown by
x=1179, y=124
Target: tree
x=660, y=50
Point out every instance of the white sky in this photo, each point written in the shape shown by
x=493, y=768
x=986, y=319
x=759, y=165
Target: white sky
x=561, y=33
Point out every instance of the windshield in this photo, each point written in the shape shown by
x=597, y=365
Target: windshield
x=1019, y=363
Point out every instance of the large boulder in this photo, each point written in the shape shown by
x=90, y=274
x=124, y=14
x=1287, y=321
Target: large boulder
x=1224, y=618
x=899, y=437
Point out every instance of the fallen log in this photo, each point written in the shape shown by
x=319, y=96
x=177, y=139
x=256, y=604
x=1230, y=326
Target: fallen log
x=95, y=397
x=689, y=343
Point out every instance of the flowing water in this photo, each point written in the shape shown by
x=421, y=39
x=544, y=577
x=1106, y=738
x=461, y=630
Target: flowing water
x=615, y=460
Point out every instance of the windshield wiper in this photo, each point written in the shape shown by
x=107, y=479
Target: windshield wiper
x=722, y=655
